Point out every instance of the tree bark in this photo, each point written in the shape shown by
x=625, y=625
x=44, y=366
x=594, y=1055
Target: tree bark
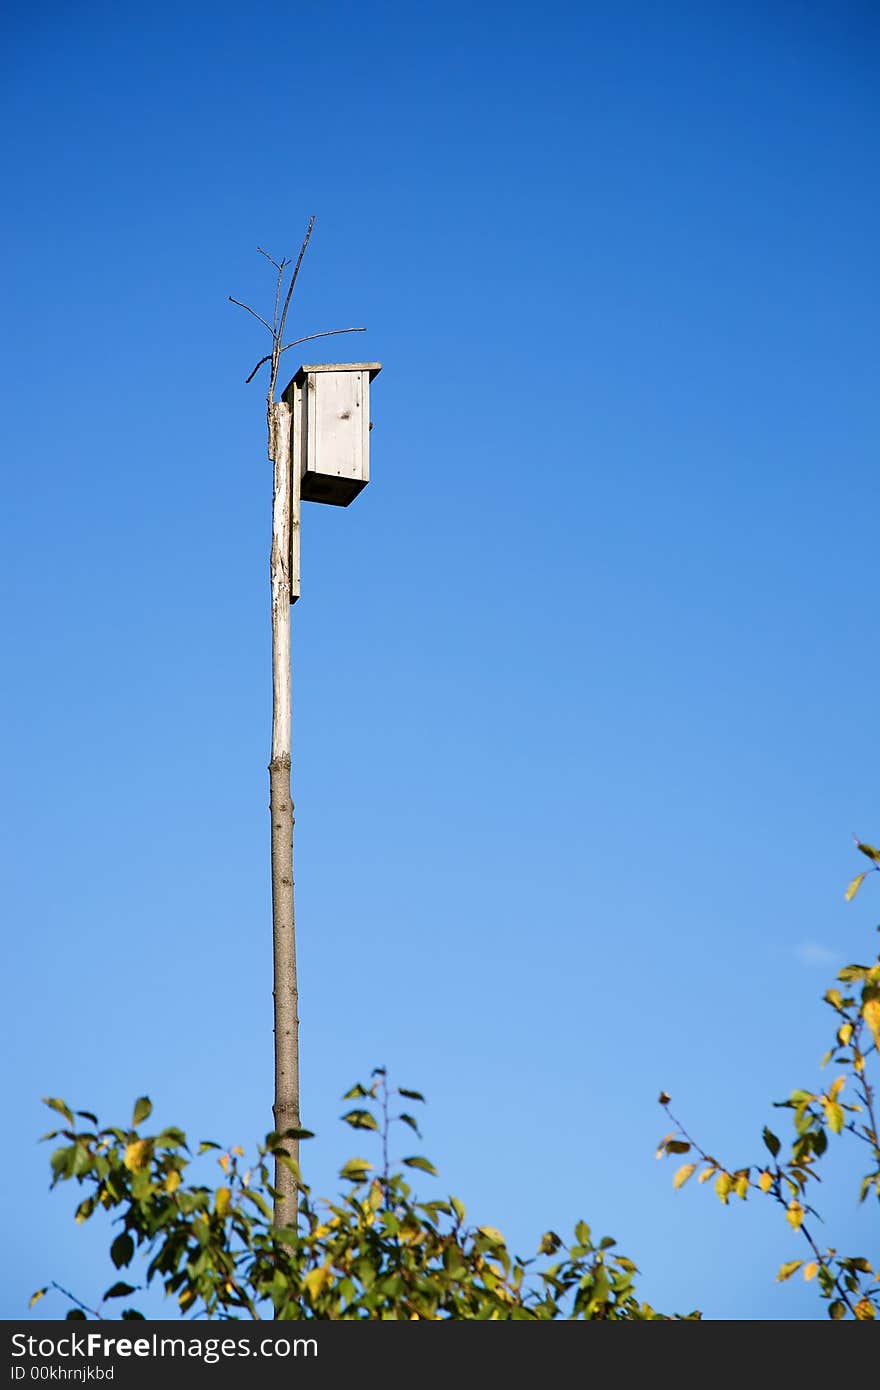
x=285, y=516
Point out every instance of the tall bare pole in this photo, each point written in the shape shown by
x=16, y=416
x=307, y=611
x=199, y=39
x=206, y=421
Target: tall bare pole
x=284, y=583
x=285, y=515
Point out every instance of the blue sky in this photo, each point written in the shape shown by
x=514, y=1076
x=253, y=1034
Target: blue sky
x=585, y=682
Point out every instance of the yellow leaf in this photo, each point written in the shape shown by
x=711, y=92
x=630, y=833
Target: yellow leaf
x=795, y=1215
x=137, y=1155
x=855, y=886
x=811, y=1270
x=222, y=1200
x=864, y=1310
x=844, y=1033
x=686, y=1171
x=871, y=1015
x=723, y=1184
x=491, y=1234
x=707, y=1173
x=35, y=1298
x=172, y=1182
x=858, y=1061
x=317, y=1280
x=834, y=1116
x=741, y=1184
x=238, y=1150
x=765, y=1182
x=836, y=1087
x=376, y=1196
x=223, y=1160
x=787, y=1270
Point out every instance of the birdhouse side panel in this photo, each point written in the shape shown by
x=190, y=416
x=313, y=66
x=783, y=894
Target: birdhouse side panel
x=337, y=409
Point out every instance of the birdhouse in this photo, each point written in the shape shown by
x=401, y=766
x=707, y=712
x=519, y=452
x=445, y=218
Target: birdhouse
x=330, y=406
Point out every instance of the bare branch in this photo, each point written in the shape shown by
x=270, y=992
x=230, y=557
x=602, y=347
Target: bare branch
x=293, y=278
x=328, y=333
x=254, y=312
x=279, y=281
x=73, y=1298
x=279, y=323
x=272, y=259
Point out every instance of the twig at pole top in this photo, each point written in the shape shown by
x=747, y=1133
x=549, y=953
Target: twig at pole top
x=293, y=278
x=242, y=305
x=328, y=333
x=272, y=259
x=279, y=330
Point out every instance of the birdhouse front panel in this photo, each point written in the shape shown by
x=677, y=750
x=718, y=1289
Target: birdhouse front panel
x=331, y=410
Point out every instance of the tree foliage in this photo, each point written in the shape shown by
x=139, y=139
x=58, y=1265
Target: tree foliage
x=843, y=1109
x=376, y=1252
x=379, y=1251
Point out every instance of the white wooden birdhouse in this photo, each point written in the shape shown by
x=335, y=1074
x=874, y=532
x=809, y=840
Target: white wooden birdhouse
x=330, y=406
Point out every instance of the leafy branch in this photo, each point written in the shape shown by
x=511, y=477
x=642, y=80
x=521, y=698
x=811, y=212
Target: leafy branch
x=850, y=1284
x=376, y=1252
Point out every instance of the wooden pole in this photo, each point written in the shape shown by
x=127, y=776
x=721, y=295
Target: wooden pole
x=285, y=526
x=283, y=419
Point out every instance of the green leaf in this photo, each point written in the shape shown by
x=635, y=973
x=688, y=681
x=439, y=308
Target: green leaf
x=54, y=1103
x=770, y=1140
x=287, y=1162
x=360, y=1119
x=171, y=1138
x=408, y=1120
x=356, y=1092
x=677, y=1146
x=837, y=1310
x=87, y=1115
x=850, y=973
x=143, y=1109
x=356, y=1170
x=119, y=1290
x=410, y=1095
x=869, y=850
x=582, y=1233
x=122, y=1250
x=61, y=1160
x=259, y=1202
x=76, y=1315
x=416, y=1161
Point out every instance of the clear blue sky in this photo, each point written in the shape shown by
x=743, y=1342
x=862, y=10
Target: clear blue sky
x=585, y=682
